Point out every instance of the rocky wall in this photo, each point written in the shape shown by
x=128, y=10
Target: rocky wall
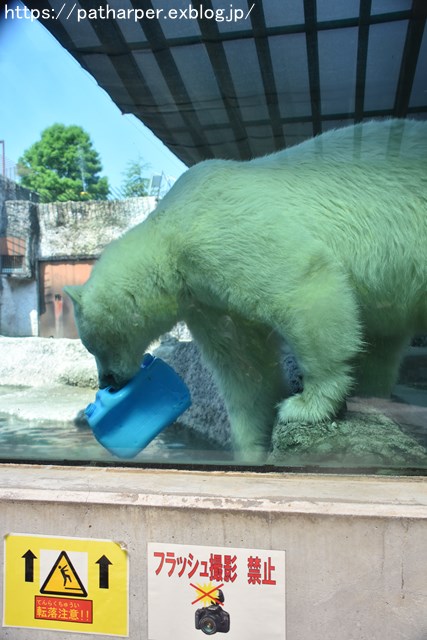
x=82, y=229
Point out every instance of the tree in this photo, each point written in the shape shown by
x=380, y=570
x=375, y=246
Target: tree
x=63, y=165
x=135, y=183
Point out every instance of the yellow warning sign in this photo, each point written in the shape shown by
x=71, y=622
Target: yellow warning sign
x=67, y=584
x=63, y=579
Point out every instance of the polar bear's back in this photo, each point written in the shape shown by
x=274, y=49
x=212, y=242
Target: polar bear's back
x=358, y=193
x=351, y=188
x=388, y=140
x=348, y=173
x=386, y=151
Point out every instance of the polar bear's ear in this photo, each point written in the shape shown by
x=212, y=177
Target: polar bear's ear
x=74, y=292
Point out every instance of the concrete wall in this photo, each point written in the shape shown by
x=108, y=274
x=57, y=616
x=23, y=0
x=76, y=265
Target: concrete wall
x=18, y=308
x=355, y=546
x=18, y=292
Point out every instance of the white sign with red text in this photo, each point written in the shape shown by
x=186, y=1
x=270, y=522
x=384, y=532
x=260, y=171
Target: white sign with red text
x=194, y=591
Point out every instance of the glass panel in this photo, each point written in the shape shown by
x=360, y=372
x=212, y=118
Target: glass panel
x=10, y=264
x=278, y=13
x=176, y=19
x=201, y=84
x=289, y=58
x=128, y=21
x=229, y=17
x=153, y=76
x=419, y=88
x=285, y=294
x=389, y=6
x=80, y=29
x=246, y=79
x=337, y=64
x=382, y=72
x=337, y=10
x=297, y=132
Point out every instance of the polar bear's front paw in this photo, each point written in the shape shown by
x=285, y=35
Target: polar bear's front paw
x=299, y=408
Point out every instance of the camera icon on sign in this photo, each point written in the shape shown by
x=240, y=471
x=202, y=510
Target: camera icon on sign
x=213, y=619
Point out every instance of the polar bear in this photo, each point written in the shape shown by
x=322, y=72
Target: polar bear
x=322, y=246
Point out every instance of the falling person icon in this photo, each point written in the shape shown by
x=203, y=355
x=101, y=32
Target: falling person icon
x=64, y=572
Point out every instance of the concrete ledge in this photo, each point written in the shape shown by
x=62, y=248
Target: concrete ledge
x=362, y=496
x=355, y=546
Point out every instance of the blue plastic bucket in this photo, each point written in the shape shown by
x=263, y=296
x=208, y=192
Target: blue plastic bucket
x=125, y=421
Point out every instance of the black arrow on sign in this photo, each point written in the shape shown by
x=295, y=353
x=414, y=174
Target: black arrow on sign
x=29, y=558
x=103, y=571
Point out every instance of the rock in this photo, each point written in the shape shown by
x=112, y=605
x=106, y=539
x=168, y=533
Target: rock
x=45, y=362
x=207, y=414
x=358, y=440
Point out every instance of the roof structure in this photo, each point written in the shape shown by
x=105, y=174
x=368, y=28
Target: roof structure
x=237, y=80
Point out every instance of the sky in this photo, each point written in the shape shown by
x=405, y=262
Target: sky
x=41, y=84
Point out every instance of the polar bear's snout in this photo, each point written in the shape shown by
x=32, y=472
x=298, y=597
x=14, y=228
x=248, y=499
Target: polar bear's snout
x=109, y=378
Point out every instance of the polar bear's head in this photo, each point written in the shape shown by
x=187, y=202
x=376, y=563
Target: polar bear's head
x=110, y=331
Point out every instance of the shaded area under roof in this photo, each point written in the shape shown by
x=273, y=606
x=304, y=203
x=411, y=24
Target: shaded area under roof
x=237, y=80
